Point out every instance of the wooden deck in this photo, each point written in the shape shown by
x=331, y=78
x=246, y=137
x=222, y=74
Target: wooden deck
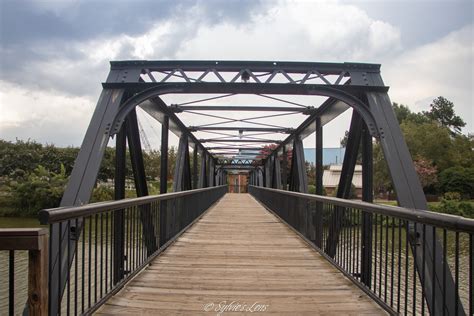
x=239, y=253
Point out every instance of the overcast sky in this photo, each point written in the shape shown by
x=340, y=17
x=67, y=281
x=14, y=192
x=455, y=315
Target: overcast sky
x=55, y=54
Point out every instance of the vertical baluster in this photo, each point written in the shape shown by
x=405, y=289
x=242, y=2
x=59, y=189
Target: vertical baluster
x=60, y=258
x=423, y=294
x=106, y=251
x=471, y=274
x=414, y=272
x=445, y=267
x=399, y=265
x=407, y=267
x=76, y=263
x=89, y=265
x=392, y=252
x=101, y=255
x=456, y=274
x=68, y=273
x=11, y=282
x=375, y=252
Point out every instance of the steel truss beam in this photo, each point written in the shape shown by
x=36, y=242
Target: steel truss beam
x=239, y=148
x=231, y=71
x=244, y=129
x=298, y=177
x=238, y=162
x=182, y=172
x=181, y=108
x=217, y=140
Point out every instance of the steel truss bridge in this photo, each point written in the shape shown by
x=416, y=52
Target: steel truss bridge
x=277, y=176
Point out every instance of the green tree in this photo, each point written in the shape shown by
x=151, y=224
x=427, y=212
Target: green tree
x=38, y=190
x=442, y=111
x=458, y=179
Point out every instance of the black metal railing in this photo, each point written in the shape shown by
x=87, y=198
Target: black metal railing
x=111, y=242
x=369, y=243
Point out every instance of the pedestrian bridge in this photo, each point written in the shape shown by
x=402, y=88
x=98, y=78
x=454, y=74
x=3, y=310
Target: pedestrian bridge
x=240, y=252
x=278, y=247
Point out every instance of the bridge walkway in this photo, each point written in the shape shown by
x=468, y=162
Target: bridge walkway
x=240, y=253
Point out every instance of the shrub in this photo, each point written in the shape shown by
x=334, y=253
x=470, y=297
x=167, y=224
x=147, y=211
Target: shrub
x=458, y=179
x=467, y=209
x=102, y=193
x=38, y=190
x=454, y=196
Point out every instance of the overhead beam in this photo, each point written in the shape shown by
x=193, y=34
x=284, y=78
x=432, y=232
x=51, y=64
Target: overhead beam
x=217, y=140
x=242, y=128
x=180, y=108
x=237, y=65
x=246, y=88
x=238, y=148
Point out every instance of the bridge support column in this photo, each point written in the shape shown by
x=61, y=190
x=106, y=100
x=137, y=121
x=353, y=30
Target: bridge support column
x=164, y=179
x=195, y=167
x=299, y=183
x=298, y=177
x=203, y=173
x=79, y=188
x=276, y=177
x=367, y=196
x=345, y=182
x=118, y=216
x=284, y=166
x=182, y=172
x=136, y=156
x=410, y=194
x=318, y=217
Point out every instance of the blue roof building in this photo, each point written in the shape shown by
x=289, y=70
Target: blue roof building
x=331, y=156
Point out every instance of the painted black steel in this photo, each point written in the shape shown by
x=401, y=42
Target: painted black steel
x=345, y=180
x=241, y=128
x=263, y=108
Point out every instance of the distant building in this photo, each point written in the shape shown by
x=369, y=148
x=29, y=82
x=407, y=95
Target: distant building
x=332, y=175
x=238, y=182
x=331, y=156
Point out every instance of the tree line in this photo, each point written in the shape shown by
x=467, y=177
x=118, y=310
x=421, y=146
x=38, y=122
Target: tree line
x=33, y=176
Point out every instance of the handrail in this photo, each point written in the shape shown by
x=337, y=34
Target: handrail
x=453, y=222
x=54, y=215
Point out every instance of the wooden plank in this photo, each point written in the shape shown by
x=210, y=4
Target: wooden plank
x=240, y=252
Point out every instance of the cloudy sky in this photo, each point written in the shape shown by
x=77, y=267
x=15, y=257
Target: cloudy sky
x=54, y=54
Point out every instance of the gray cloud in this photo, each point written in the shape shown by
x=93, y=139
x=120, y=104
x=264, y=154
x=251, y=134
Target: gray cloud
x=420, y=21
x=36, y=34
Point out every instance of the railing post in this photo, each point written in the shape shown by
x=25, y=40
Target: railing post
x=36, y=242
x=38, y=276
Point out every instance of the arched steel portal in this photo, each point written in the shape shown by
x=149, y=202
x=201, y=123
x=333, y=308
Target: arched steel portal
x=154, y=90
x=360, y=86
